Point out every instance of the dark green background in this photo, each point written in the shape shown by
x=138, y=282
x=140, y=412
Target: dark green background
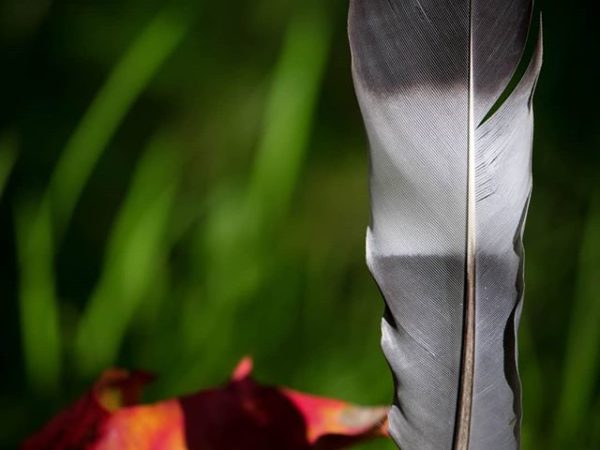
x=184, y=183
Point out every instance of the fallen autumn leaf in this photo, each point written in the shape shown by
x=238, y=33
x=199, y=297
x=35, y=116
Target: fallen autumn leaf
x=240, y=415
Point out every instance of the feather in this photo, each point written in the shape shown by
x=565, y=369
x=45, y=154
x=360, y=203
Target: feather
x=450, y=184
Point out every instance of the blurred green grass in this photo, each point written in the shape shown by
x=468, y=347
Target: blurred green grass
x=184, y=185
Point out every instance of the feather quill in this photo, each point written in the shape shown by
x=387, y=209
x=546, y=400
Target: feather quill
x=450, y=185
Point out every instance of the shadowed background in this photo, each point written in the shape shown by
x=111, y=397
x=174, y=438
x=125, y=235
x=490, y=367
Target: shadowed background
x=183, y=183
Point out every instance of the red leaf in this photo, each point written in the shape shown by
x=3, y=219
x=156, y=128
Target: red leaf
x=240, y=415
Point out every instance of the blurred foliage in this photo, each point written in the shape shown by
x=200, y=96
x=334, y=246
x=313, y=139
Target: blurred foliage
x=184, y=182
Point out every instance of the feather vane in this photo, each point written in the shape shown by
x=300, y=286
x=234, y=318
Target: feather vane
x=450, y=184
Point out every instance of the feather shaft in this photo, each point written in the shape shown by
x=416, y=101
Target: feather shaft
x=463, y=419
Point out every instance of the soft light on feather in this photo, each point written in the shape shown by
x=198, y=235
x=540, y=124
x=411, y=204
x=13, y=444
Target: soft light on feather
x=450, y=184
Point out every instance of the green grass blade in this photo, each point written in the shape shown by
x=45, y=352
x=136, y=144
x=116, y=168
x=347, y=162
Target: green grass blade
x=135, y=251
x=38, y=303
x=124, y=85
x=582, y=363
x=239, y=231
x=290, y=112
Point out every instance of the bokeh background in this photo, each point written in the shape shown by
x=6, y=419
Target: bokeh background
x=183, y=183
